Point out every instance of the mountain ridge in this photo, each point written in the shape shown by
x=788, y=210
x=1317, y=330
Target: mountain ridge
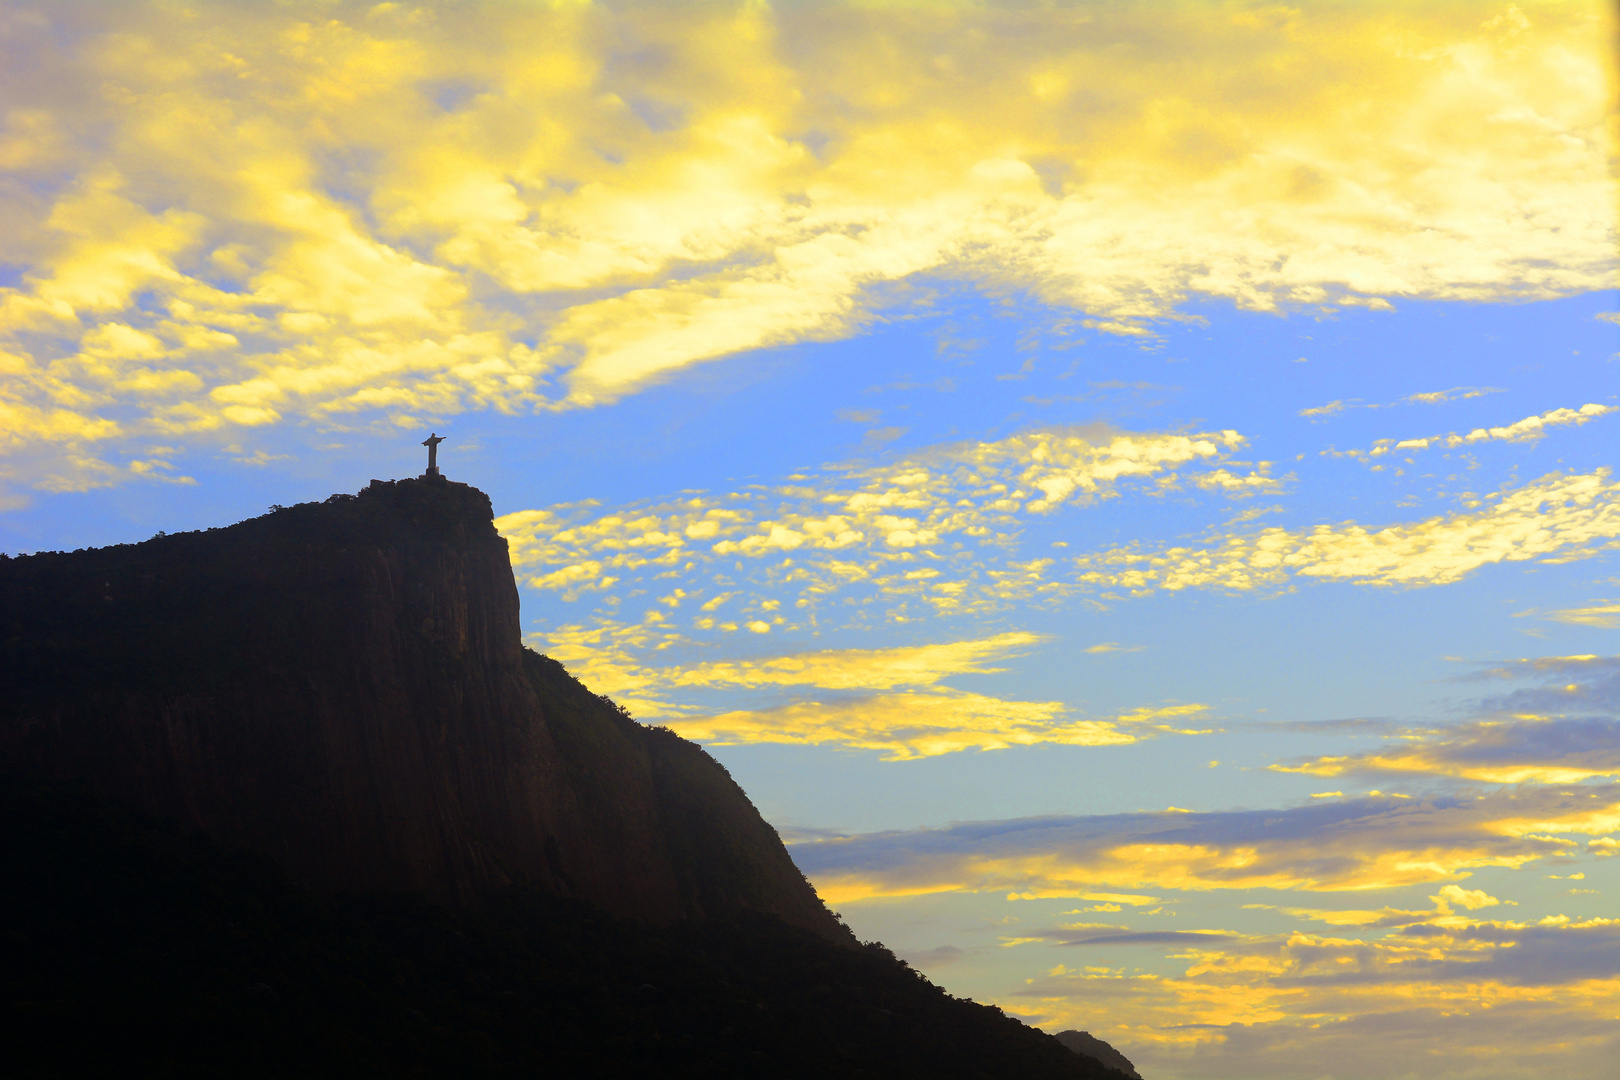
x=342, y=686
x=292, y=794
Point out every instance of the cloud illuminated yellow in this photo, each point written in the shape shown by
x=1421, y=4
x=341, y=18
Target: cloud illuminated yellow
x=889, y=700
x=1527, y=430
x=899, y=529
x=1555, y=519
x=925, y=724
x=310, y=210
x=1605, y=615
x=1282, y=1004
x=1469, y=757
x=861, y=669
x=1377, y=843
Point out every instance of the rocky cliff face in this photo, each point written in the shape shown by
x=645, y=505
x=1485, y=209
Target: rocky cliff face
x=342, y=686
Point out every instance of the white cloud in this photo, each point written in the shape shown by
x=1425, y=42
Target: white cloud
x=1529, y=429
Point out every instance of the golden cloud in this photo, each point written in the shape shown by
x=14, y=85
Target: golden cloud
x=861, y=669
x=1492, y=753
x=897, y=529
x=925, y=720
x=1555, y=519
x=309, y=209
x=1349, y=845
x=925, y=724
x=1529, y=429
x=1305, y=1004
x=902, y=726
x=936, y=534
x=1563, y=731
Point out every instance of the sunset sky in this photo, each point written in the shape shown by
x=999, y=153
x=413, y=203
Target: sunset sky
x=1126, y=488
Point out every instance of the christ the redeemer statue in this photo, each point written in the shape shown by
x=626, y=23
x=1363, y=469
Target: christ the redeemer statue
x=432, y=443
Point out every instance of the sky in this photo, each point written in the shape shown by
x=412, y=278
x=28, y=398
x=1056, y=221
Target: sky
x=1126, y=488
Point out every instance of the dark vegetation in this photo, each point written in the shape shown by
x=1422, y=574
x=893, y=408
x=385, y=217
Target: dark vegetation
x=1084, y=1042
x=128, y=947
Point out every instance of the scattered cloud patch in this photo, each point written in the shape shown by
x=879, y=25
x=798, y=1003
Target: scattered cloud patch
x=1456, y=393
x=917, y=724
x=1529, y=429
x=901, y=530
x=1241, y=1005
x=1555, y=519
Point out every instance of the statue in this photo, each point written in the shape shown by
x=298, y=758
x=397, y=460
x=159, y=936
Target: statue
x=432, y=443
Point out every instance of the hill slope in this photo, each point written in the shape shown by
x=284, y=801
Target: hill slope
x=342, y=686
x=291, y=798
x=128, y=947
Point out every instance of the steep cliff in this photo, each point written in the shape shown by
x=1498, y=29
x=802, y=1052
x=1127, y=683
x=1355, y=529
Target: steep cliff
x=342, y=686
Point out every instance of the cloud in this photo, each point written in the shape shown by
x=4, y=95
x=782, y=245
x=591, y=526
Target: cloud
x=862, y=669
x=1434, y=397
x=1456, y=393
x=924, y=724
x=1541, y=751
x=902, y=726
x=1529, y=429
x=898, y=529
x=917, y=716
x=1532, y=427
x=1604, y=614
x=308, y=211
x=1562, y=731
x=1122, y=898
x=1350, y=844
x=1555, y=519
x=1306, y=1004
x=1471, y=899
x=1146, y=937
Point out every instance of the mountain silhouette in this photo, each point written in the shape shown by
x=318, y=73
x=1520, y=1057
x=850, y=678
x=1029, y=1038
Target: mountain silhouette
x=1084, y=1042
x=342, y=686
x=298, y=778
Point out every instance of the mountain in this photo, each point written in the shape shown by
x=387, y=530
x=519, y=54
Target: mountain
x=342, y=687
x=291, y=798
x=129, y=947
x=1088, y=1045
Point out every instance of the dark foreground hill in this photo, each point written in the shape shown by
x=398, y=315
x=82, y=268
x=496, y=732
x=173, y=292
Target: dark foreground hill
x=290, y=798
x=128, y=947
x=342, y=686
x=1084, y=1042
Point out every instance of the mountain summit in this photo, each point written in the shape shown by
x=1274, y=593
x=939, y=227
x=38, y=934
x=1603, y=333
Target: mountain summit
x=340, y=689
x=342, y=686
